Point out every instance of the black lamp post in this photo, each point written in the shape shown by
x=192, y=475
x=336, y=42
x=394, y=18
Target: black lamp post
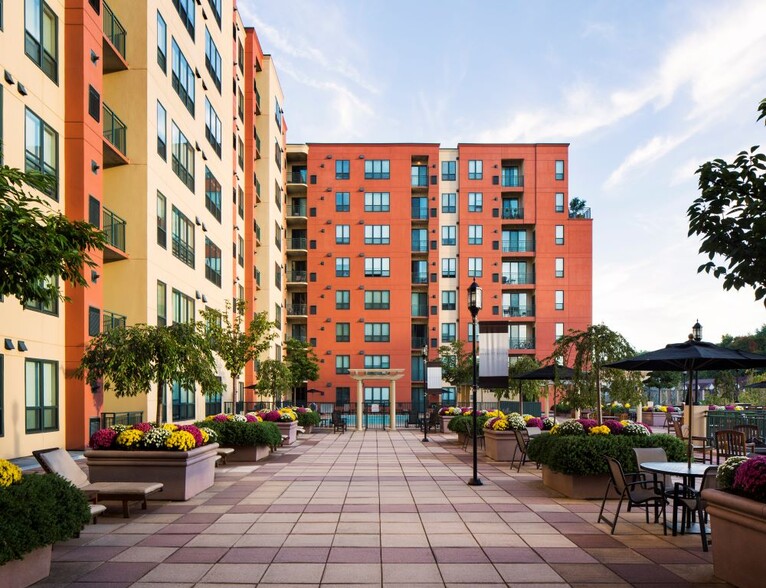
x=425, y=394
x=697, y=336
x=697, y=331
x=474, y=306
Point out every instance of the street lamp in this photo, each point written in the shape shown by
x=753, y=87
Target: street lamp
x=697, y=331
x=474, y=306
x=425, y=393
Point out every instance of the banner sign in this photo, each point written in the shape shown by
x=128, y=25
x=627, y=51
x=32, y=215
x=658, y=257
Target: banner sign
x=493, y=354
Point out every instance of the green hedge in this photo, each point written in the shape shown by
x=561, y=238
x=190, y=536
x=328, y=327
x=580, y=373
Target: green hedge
x=307, y=419
x=584, y=455
x=234, y=433
x=460, y=423
x=38, y=511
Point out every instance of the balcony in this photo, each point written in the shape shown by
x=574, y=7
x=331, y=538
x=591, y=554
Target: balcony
x=519, y=311
x=511, y=178
x=113, y=44
x=419, y=342
x=112, y=320
x=297, y=310
x=514, y=279
x=115, y=139
x=420, y=246
x=419, y=278
x=513, y=213
x=114, y=227
x=297, y=210
x=257, y=101
x=521, y=342
x=420, y=310
x=584, y=213
x=298, y=243
x=297, y=276
x=257, y=145
x=518, y=245
x=299, y=176
x=257, y=276
x=257, y=191
x=420, y=212
x=419, y=176
x=257, y=231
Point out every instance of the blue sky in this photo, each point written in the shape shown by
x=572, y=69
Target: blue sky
x=643, y=91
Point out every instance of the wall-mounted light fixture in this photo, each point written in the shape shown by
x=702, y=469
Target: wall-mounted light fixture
x=9, y=344
x=21, y=346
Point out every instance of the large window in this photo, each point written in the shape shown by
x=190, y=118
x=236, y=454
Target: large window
x=559, y=169
x=449, y=235
x=377, y=235
x=162, y=304
x=377, y=299
x=50, y=307
x=342, y=201
x=377, y=202
x=212, y=262
x=475, y=234
x=162, y=131
x=342, y=169
x=475, y=201
x=183, y=307
x=449, y=332
x=342, y=364
x=377, y=267
x=377, y=332
x=277, y=107
x=212, y=127
x=185, y=10
x=377, y=169
x=449, y=202
x=449, y=171
x=449, y=300
x=342, y=234
x=449, y=267
x=342, y=267
x=559, y=300
x=212, y=59
x=41, y=149
x=342, y=332
x=183, y=402
x=559, y=272
x=475, y=267
x=475, y=169
x=342, y=299
x=559, y=333
x=41, y=31
x=215, y=5
x=42, y=395
x=212, y=194
x=377, y=362
x=162, y=43
x=162, y=220
x=183, y=157
x=183, y=237
x=559, y=204
x=183, y=78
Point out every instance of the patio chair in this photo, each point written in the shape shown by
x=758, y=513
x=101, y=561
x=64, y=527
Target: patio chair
x=728, y=443
x=338, y=423
x=522, y=442
x=434, y=420
x=751, y=435
x=644, y=454
x=413, y=418
x=469, y=436
x=699, y=443
x=691, y=502
x=58, y=461
x=641, y=492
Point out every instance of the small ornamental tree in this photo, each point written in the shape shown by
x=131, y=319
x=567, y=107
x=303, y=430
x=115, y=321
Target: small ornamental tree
x=529, y=390
x=132, y=358
x=662, y=381
x=457, y=364
x=302, y=363
x=235, y=341
x=274, y=378
x=38, y=243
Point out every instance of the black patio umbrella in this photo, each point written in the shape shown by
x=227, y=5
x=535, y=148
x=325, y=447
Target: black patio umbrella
x=757, y=385
x=548, y=372
x=691, y=356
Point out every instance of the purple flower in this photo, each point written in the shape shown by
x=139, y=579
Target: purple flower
x=535, y=422
x=195, y=432
x=750, y=478
x=220, y=418
x=300, y=409
x=587, y=424
x=271, y=415
x=615, y=426
x=143, y=427
x=729, y=407
x=103, y=438
x=251, y=418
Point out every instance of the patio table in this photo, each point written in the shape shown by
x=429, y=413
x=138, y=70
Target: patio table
x=689, y=473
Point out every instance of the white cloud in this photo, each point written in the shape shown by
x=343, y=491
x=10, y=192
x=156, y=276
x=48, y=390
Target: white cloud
x=655, y=148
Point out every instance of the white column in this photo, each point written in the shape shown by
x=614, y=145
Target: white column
x=639, y=412
x=392, y=406
x=359, y=404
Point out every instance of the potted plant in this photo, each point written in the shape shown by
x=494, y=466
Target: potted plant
x=181, y=457
x=251, y=438
x=446, y=414
x=286, y=420
x=307, y=418
x=499, y=436
x=738, y=520
x=37, y=510
x=461, y=423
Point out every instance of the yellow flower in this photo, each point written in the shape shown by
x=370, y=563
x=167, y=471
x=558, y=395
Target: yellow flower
x=663, y=409
x=181, y=440
x=496, y=413
x=205, y=436
x=627, y=405
x=9, y=473
x=129, y=438
x=170, y=427
x=555, y=429
x=738, y=408
x=600, y=430
x=626, y=421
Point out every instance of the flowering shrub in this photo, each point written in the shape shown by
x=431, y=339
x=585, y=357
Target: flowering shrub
x=253, y=417
x=497, y=424
x=129, y=439
x=308, y=417
x=750, y=478
x=587, y=424
x=103, y=438
x=727, y=470
x=494, y=413
x=516, y=421
x=143, y=427
x=568, y=428
x=153, y=439
x=631, y=428
x=242, y=433
x=212, y=435
x=195, y=432
x=450, y=411
x=270, y=415
x=170, y=427
x=535, y=422
x=548, y=423
x=599, y=430
x=141, y=436
x=9, y=473
x=615, y=427
x=287, y=415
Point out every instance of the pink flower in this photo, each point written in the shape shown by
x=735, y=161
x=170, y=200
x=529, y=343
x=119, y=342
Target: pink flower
x=271, y=415
x=535, y=422
x=251, y=418
x=750, y=478
x=143, y=427
x=103, y=438
x=220, y=418
x=195, y=432
x=587, y=424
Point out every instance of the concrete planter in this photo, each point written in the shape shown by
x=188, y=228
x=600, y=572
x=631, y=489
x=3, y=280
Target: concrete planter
x=444, y=426
x=184, y=473
x=289, y=429
x=738, y=527
x=581, y=487
x=499, y=445
x=461, y=438
x=19, y=573
x=248, y=453
x=654, y=419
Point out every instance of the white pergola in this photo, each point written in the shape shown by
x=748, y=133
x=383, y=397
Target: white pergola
x=387, y=375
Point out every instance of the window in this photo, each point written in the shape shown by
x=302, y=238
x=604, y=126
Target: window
x=162, y=304
x=475, y=169
x=377, y=169
x=162, y=221
x=212, y=127
x=449, y=171
x=277, y=313
x=277, y=276
x=377, y=362
x=162, y=43
x=213, y=262
x=559, y=267
x=512, y=176
x=475, y=201
x=342, y=332
x=342, y=299
x=342, y=234
x=419, y=240
x=377, y=202
x=559, y=169
x=185, y=10
x=419, y=175
x=241, y=203
x=183, y=402
x=342, y=169
x=342, y=201
x=41, y=36
x=377, y=235
x=183, y=157
x=377, y=332
x=50, y=307
x=449, y=300
x=342, y=364
x=342, y=396
x=278, y=195
x=377, y=267
x=559, y=331
x=42, y=149
x=240, y=105
x=449, y=267
x=183, y=237
x=183, y=78
x=277, y=154
x=212, y=59
x=342, y=267
x=215, y=5
x=449, y=235
x=559, y=205
x=94, y=104
x=475, y=269
x=559, y=300
x=214, y=403
x=449, y=202
x=183, y=307
x=449, y=332
x=377, y=300
x=559, y=234
x=212, y=194
x=277, y=107
x=162, y=131
x=470, y=333
x=42, y=395
x=475, y=234
x=376, y=394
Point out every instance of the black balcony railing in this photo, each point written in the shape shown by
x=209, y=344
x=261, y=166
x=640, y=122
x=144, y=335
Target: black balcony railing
x=257, y=275
x=513, y=213
x=115, y=130
x=525, y=278
x=298, y=242
x=112, y=320
x=420, y=213
x=419, y=342
x=512, y=179
x=297, y=276
x=583, y=213
x=183, y=251
x=257, y=228
x=114, y=30
x=515, y=311
x=522, y=343
x=419, y=310
x=298, y=210
x=297, y=176
x=518, y=245
x=114, y=227
x=420, y=245
x=419, y=278
x=297, y=309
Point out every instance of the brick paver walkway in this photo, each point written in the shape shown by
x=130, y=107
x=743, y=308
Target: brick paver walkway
x=376, y=508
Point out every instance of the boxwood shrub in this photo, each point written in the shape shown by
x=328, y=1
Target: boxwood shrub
x=460, y=423
x=584, y=455
x=237, y=433
x=38, y=511
x=309, y=418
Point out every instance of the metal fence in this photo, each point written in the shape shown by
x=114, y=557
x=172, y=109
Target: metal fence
x=719, y=420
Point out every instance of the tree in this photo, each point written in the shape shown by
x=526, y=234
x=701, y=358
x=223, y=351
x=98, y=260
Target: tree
x=529, y=389
x=132, y=358
x=457, y=364
x=755, y=343
x=237, y=343
x=38, y=243
x=730, y=215
x=302, y=363
x=577, y=208
x=587, y=352
x=274, y=377
x=662, y=381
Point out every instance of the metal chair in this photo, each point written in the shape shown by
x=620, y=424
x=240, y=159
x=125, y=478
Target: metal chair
x=691, y=502
x=644, y=454
x=642, y=492
x=699, y=443
x=751, y=435
x=522, y=442
x=729, y=442
x=469, y=436
x=338, y=423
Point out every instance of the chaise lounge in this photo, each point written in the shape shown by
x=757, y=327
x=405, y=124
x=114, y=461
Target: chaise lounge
x=58, y=461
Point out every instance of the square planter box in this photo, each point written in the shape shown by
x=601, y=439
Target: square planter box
x=582, y=487
x=444, y=427
x=289, y=429
x=19, y=573
x=654, y=419
x=249, y=453
x=500, y=445
x=184, y=473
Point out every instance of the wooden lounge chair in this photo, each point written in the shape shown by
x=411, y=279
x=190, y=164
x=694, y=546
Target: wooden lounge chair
x=58, y=461
x=729, y=443
x=338, y=423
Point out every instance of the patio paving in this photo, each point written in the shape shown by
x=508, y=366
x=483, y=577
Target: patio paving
x=376, y=509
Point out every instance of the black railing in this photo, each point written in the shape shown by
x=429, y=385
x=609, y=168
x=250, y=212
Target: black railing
x=513, y=213
x=297, y=309
x=112, y=320
x=512, y=180
x=419, y=342
x=114, y=227
x=114, y=30
x=297, y=276
x=420, y=246
x=298, y=210
x=584, y=213
x=419, y=213
x=528, y=310
x=115, y=130
x=297, y=176
x=298, y=242
x=419, y=278
x=525, y=278
x=519, y=246
x=183, y=251
x=522, y=343
x=121, y=418
x=419, y=310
